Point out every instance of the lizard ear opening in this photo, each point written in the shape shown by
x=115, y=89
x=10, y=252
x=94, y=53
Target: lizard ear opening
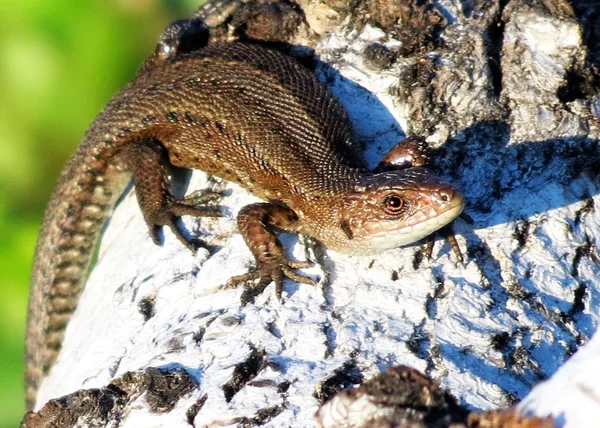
x=346, y=228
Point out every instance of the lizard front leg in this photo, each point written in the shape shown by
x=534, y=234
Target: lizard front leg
x=414, y=152
x=257, y=224
x=410, y=152
x=147, y=160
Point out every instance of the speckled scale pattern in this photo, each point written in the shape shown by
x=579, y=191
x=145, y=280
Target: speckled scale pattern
x=209, y=117
x=272, y=113
x=246, y=114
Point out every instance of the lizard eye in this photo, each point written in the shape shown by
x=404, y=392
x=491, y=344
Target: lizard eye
x=393, y=204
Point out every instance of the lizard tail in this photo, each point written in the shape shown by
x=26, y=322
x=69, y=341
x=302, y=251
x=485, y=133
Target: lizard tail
x=85, y=193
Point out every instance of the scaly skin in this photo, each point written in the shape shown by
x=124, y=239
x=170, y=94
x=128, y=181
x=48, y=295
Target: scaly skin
x=243, y=113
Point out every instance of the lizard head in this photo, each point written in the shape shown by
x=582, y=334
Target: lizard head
x=389, y=209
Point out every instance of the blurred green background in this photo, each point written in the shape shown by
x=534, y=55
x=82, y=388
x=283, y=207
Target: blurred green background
x=60, y=62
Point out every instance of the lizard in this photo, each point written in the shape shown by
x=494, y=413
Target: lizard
x=245, y=113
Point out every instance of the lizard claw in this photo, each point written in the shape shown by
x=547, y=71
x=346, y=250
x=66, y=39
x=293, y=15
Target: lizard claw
x=447, y=233
x=172, y=222
x=275, y=270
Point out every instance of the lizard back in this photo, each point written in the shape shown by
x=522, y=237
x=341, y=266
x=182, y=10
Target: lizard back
x=241, y=112
x=236, y=110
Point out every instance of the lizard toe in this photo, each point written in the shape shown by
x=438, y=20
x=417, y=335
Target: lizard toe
x=174, y=223
x=199, y=197
x=237, y=280
x=295, y=276
x=181, y=208
x=275, y=270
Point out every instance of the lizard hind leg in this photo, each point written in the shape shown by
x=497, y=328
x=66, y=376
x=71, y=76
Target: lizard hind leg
x=182, y=36
x=178, y=38
x=148, y=162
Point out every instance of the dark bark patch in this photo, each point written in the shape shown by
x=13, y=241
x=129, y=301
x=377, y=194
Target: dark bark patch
x=147, y=308
x=243, y=373
x=345, y=377
x=98, y=407
x=194, y=409
x=267, y=22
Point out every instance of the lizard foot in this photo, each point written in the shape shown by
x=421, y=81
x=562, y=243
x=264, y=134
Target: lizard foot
x=147, y=160
x=447, y=233
x=170, y=216
x=275, y=270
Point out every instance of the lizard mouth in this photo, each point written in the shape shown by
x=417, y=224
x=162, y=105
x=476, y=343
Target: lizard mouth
x=437, y=219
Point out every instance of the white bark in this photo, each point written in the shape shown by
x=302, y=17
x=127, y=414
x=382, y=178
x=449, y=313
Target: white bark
x=489, y=330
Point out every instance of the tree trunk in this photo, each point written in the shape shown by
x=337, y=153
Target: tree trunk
x=506, y=92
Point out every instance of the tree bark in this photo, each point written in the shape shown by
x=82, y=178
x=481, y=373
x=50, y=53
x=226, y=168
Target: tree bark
x=506, y=92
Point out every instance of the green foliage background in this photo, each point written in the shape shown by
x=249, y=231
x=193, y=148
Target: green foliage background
x=60, y=62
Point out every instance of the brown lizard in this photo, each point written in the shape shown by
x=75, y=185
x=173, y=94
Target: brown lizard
x=247, y=114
